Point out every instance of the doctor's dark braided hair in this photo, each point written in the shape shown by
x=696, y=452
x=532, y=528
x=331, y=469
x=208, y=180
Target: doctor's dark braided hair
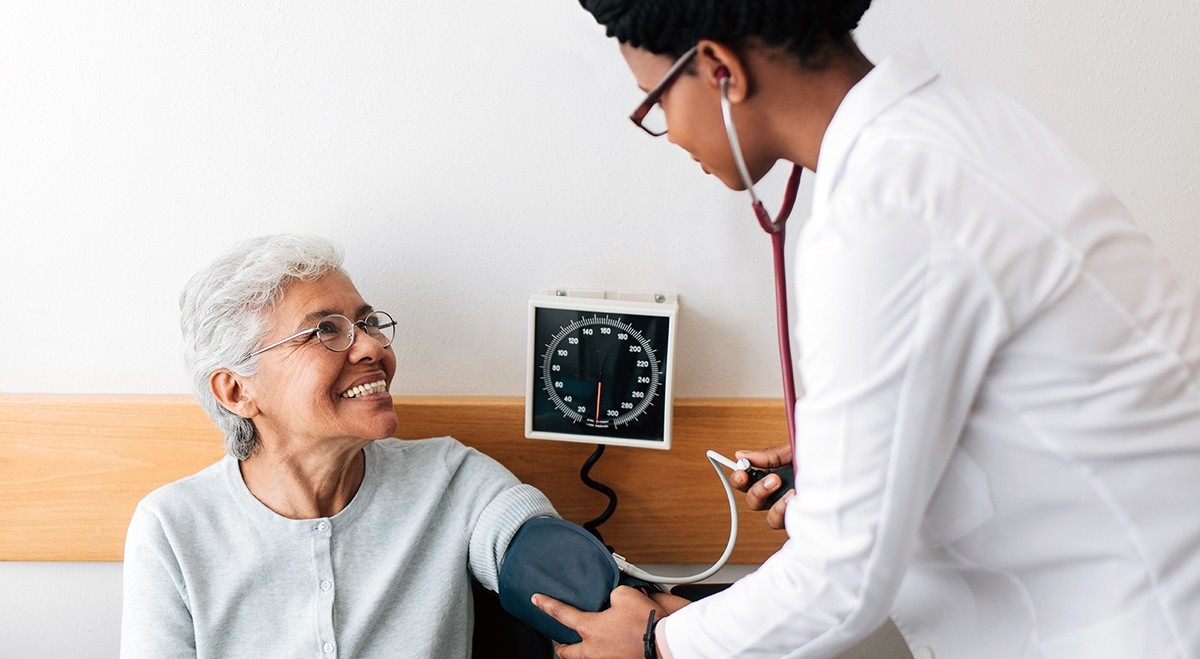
x=671, y=27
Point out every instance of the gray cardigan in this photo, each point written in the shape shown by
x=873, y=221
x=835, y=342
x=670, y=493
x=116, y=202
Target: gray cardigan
x=212, y=572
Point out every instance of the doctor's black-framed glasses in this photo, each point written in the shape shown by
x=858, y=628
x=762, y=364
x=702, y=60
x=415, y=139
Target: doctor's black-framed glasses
x=649, y=115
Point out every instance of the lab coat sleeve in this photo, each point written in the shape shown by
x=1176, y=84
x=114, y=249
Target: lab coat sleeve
x=896, y=328
x=155, y=618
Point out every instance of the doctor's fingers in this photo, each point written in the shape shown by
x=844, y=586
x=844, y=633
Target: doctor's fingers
x=759, y=496
x=771, y=457
x=560, y=611
x=614, y=633
x=775, y=517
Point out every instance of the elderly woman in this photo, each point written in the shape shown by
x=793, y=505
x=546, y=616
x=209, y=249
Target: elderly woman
x=315, y=536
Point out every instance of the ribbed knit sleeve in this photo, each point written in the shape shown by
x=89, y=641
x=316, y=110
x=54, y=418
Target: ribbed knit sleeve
x=496, y=526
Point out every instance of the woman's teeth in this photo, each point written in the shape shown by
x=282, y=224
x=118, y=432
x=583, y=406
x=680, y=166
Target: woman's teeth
x=365, y=389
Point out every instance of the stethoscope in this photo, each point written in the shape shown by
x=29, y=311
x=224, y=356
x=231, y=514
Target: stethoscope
x=774, y=227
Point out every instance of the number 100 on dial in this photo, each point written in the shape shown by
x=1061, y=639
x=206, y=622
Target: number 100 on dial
x=599, y=370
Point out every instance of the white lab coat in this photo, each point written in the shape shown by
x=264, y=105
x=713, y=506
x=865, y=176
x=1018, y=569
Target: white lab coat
x=999, y=445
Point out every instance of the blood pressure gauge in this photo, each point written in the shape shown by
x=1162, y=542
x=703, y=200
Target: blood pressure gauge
x=599, y=368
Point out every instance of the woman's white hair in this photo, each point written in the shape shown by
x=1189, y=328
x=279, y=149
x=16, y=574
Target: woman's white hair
x=222, y=312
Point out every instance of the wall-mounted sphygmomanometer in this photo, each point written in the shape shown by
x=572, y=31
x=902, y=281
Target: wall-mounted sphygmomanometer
x=599, y=368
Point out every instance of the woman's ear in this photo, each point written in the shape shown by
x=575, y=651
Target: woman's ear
x=232, y=393
x=715, y=60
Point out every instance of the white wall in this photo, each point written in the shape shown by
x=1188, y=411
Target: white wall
x=467, y=155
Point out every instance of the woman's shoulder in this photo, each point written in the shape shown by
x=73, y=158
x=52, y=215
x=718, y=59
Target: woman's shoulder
x=188, y=492
x=449, y=453
x=403, y=454
x=412, y=447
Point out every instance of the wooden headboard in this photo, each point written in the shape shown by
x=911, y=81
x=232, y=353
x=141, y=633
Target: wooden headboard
x=72, y=468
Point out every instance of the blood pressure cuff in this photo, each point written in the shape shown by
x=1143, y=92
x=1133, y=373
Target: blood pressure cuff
x=560, y=559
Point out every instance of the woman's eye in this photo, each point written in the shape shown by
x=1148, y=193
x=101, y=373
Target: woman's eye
x=327, y=329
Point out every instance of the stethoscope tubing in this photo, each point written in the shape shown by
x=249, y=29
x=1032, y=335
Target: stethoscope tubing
x=734, y=143
x=775, y=227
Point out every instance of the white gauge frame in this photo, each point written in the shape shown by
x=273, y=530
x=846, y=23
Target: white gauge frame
x=664, y=305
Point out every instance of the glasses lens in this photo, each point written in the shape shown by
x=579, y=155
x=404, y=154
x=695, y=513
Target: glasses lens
x=655, y=120
x=380, y=326
x=336, y=332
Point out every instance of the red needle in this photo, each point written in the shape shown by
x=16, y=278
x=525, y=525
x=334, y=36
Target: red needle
x=599, y=385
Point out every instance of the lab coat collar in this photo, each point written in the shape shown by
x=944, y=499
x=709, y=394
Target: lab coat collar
x=890, y=80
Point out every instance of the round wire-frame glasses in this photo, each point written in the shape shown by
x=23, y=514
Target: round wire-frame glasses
x=337, y=332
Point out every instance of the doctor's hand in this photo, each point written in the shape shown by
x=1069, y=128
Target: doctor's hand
x=614, y=633
x=758, y=494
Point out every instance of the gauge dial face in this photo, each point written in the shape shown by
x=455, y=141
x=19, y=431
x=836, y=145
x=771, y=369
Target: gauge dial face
x=600, y=374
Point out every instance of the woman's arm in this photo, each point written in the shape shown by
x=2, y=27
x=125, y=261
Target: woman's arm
x=155, y=620
x=506, y=504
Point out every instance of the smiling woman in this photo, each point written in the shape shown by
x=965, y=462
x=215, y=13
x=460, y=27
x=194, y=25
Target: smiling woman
x=316, y=533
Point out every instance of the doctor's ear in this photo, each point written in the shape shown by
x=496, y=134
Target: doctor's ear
x=715, y=60
x=232, y=393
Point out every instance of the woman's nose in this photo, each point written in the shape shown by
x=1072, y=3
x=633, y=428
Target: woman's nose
x=366, y=347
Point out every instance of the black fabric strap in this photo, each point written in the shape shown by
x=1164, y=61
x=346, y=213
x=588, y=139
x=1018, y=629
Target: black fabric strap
x=648, y=638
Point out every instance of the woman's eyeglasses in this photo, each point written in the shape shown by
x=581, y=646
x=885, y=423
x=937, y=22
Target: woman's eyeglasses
x=337, y=332
x=649, y=115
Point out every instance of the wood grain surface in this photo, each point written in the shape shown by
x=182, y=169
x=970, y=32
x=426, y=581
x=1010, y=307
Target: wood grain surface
x=72, y=468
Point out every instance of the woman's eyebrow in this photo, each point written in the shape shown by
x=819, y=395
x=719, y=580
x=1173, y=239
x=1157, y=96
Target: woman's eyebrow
x=314, y=316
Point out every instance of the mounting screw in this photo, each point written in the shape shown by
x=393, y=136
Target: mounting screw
x=560, y=293
x=660, y=298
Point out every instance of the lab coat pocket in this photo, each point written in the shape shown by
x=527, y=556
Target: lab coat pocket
x=962, y=501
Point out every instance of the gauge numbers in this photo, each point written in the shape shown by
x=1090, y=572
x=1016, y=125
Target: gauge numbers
x=599, y=372
x=584, y=355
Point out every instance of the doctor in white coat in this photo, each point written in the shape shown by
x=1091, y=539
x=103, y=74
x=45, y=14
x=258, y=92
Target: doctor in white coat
x=999, y=442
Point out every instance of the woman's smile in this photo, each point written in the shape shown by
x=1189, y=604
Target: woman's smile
x=376, y=389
